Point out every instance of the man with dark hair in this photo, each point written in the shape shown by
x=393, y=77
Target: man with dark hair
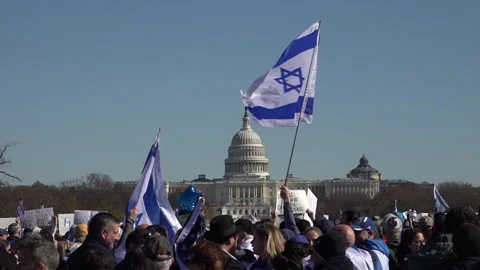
x=244, y=252
x=34, y=252
x=224, y=232
x=133, y=243
x=7, y=260
x=458, y=216
x=3, y=234
x=103, y=231
x=349, y=217
x=14, y=235
x=439, y=250
x=153, y=229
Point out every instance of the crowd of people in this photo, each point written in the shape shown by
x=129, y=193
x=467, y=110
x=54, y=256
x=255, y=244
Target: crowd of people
x=446, y=241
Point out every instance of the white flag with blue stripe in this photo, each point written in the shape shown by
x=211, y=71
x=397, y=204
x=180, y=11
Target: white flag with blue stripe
x=285, y=92
x=440, y=204
x=151, y=199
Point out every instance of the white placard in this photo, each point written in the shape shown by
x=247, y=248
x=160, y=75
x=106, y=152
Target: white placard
x=312, y=205
x=37, y=218
x=312, y=201
x=5, y=222
x=65, y=222
x=83, y=216
x=298, y=201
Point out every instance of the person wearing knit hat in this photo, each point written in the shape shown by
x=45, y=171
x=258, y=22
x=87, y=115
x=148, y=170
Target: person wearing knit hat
x=392, y=230
x=80, y=234
x=426, y=226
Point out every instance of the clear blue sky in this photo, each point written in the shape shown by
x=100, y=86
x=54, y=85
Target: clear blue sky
x=84, y=85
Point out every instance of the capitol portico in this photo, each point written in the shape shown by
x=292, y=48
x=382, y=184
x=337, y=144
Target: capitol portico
x=246, y=187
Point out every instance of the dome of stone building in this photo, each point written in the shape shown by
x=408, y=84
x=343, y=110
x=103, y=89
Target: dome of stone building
x=364, y=171
x=201, y=178
x=246, y=154
x=246, y=135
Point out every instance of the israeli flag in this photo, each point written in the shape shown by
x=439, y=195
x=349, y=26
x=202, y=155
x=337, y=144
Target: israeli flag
x=440, y=204
x=283, y=94
x=151, y=199
x=190, y=234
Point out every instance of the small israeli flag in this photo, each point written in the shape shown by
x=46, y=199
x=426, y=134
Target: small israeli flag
x=286, y=91
x=440, y=204
x=191, y=233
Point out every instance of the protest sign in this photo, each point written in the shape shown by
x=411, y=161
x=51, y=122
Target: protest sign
x=65, y=222
x=298, y=201
x=37, y=218
x=83, y=216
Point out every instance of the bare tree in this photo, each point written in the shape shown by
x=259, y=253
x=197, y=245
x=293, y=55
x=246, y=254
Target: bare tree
x=5, y=161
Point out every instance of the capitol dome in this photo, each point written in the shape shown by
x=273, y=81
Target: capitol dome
x=246, y=154
x=365, y=171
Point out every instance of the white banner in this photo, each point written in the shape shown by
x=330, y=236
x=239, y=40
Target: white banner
x=298, y=201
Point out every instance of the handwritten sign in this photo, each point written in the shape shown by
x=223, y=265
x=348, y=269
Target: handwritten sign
x=298, y=201
x=65, y=222
x=83, y=216
x=37, y=218
x=312, y=204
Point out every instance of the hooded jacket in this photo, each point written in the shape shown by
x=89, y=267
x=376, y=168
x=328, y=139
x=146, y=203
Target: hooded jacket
x=433, y=255
x=466, y=242
x=392, y=259
x=380, y=251
x=331, y=248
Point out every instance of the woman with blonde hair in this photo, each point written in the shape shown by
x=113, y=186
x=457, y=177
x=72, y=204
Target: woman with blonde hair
x=268, y=243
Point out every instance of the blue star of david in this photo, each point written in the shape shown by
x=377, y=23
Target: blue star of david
x=287, y=87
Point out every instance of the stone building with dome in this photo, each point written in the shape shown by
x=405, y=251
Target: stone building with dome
x=246, y=187
x=246, y=154
x=364, y=171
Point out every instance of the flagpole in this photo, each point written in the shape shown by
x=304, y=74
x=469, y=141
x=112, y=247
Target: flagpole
x=158, y=136
x=304, y=104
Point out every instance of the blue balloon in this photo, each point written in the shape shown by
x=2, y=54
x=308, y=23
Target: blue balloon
x=187, y=200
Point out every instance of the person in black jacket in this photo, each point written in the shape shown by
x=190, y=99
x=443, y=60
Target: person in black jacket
x=244, y=252
x=7, y=260
x=466, y=246
x=224, y=232
x=103, y=231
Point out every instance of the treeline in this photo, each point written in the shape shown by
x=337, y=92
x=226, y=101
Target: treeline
x=100, y=192
x=408, y=196
x=95, y=191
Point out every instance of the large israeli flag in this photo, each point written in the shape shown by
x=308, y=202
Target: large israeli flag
x=151, y=199
x=440, y=204
x=285, y=92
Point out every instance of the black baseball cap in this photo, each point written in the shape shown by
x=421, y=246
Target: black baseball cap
x=157, y=248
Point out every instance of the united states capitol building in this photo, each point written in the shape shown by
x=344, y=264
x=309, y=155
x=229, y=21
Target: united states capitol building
x=246, y=187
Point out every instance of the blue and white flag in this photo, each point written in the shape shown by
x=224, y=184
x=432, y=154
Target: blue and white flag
x=192, y=232
x=151, y=199
x=20, y=210
x=283, y=94
x=440, y=204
